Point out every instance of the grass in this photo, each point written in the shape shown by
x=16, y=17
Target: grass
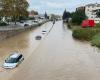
x=87, y=34
x=97, y=26
x=96, y=40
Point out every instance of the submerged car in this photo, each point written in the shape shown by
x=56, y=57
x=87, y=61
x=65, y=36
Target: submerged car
x=13, y=60
x=38, y=37
x=43, y=32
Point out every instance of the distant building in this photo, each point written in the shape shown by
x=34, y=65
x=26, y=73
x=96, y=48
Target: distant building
x=36, y=15
x=39, y=16
x=90, y=11
x=80, y=8
x=33, y=13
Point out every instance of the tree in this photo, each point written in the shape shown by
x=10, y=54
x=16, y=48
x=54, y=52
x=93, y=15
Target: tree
x=66, y=15
x=98, y=13
x=46, y=16
x=78, y=17
x=14, y=8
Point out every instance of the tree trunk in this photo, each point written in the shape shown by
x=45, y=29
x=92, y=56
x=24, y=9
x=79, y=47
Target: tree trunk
x=15, y=20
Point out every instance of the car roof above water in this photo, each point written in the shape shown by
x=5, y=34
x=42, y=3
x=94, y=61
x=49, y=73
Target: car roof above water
x=15, y=55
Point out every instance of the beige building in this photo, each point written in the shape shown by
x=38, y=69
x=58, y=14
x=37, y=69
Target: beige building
x=90, y=11
x=80, y=8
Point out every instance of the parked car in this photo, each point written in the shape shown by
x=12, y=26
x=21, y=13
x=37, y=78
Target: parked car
x=35, y=21
x=38, y=37
x=27, y=23
x=13, y=60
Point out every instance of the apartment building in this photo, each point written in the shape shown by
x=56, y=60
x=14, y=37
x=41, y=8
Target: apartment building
x=91, y=10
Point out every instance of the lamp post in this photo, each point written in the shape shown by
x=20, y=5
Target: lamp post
x=14, y=12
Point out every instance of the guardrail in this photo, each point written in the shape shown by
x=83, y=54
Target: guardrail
x=6, y=32
x=18, y=27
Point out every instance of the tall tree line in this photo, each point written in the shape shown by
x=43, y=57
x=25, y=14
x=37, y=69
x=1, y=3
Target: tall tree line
x=77, y=17
x=66, y=15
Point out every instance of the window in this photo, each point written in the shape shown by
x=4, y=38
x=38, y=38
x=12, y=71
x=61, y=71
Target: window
x=19, y=57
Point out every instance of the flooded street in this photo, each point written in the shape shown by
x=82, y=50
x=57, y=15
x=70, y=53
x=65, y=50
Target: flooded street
x=56, y=57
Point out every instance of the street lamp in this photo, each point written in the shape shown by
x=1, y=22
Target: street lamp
x=14, y=7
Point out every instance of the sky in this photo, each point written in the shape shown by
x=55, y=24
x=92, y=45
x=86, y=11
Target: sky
x=57, y=6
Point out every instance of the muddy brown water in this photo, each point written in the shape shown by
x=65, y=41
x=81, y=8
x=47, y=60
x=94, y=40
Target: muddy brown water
x=56, y=57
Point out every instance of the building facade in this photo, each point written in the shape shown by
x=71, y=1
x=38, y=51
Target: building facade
x=91, y=10
x=80, y=8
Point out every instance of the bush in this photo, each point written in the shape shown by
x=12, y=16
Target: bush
x=85, y=33
x=3, y=23
x=78, y=17
x=97, y=26
x=96, y=40
x=69, y=26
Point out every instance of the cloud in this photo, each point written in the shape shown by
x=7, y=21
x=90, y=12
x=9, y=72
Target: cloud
x=58, y=6
x=53, y=4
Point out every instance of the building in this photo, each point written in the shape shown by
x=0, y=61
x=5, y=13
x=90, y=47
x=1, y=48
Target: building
x=32, y=13
x=90, y=11
x=82, y=8
x=39, y=16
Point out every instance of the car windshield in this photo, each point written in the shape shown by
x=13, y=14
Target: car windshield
x=11, y=60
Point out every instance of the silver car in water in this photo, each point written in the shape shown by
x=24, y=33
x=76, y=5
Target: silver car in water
x=13, y=60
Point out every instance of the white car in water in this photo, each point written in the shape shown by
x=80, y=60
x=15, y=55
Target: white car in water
x=44, y=32
x=13, y=60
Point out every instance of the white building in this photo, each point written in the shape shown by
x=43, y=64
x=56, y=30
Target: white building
x=90, y=11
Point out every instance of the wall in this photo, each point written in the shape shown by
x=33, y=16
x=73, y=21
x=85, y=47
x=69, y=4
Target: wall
x=9, y=33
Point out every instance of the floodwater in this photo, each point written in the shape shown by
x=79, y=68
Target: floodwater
x=56, y=57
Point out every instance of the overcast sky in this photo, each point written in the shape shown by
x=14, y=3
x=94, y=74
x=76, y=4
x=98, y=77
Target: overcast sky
x=57, y=6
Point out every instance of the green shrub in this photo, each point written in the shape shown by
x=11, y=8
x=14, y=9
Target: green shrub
x=78, y=17
x=3, y=23
x=85, y=33
x=96, y=40
x=97, y=26
x=69, y=26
